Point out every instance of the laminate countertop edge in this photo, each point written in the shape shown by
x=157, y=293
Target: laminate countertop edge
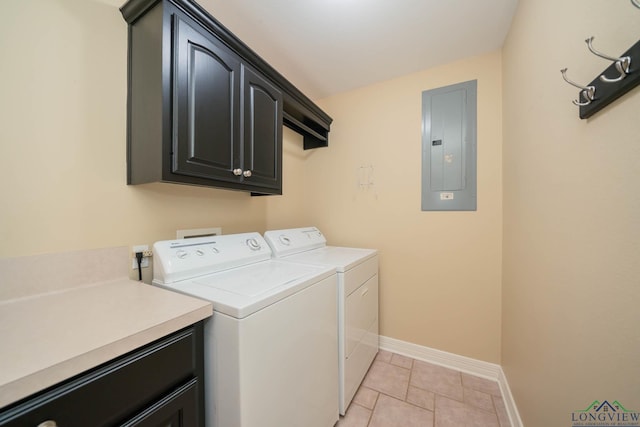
x=49, y=338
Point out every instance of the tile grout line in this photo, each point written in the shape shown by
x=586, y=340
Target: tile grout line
x=375, y=403
x=479, y=368
x=433, y=413
x=410, y=368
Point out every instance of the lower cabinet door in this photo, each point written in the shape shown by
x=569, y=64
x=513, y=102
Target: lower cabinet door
x=177, y=409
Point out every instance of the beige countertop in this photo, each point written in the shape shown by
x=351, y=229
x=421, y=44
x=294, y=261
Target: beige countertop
x=50, y=337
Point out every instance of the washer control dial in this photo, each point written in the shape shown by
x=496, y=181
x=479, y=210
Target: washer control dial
x=284, y=240
x=182, y=254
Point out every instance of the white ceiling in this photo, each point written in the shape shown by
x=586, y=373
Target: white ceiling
x=329, y=46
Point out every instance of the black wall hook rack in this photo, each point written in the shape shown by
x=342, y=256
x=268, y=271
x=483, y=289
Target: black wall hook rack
x=607, y=92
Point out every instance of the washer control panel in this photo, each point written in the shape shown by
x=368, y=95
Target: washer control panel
x=175, y=260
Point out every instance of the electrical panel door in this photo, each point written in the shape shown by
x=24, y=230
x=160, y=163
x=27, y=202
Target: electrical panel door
x=449, y=148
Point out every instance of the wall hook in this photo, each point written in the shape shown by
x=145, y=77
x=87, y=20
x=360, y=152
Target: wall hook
x=587, y=92
x=622, y=64
x=636, y=3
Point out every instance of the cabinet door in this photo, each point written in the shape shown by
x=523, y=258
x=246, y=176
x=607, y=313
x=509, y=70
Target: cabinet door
x=179, y=409
x=206, y=104
x=262, y=117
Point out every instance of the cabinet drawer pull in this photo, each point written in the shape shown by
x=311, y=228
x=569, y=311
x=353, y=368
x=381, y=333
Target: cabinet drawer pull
x=237, y=172
x=247, y=174
x=48, y=423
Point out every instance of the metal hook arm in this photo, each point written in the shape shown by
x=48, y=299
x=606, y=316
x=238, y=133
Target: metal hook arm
x=589, y=43
x=619, y=66
x=585, y=95
x=587, y=92
x=566, y=79
x=624, y=62
x=636, y=3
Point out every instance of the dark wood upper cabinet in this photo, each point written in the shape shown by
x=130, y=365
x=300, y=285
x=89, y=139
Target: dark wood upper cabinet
x=262, y=118
x=206, y=105
x=204, y=109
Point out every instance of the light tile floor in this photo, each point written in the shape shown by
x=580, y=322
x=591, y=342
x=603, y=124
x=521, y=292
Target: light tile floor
x=402, y=392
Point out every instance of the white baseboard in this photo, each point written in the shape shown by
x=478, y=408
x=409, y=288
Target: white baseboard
x=464, y=364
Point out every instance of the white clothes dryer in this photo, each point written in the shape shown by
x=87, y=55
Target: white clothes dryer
x=271, y=344
x=357, y=273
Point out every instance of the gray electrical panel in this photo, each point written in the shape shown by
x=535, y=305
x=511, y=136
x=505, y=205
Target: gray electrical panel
x=449, y=119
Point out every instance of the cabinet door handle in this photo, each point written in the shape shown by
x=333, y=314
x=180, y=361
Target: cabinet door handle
x=247, y=174
x=237, y=172
x=48, y=423
x=364, y=292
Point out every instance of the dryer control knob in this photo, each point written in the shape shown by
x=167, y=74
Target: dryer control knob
x=200, y=252
x=253, y=244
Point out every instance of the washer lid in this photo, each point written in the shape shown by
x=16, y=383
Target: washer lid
x=342, y=259
x=242, y=291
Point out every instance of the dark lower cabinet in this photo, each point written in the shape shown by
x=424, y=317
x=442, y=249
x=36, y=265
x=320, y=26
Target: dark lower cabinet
x=179, y=409
x=158, y=385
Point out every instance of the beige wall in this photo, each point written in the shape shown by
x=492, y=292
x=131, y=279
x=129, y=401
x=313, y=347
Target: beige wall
x=291, y=208
x=439, y=271
x=63, y=164
x=571, y=277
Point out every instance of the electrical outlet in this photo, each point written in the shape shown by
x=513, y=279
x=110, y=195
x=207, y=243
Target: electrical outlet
x=139, y=248
x=144, y=263
x=146, y=253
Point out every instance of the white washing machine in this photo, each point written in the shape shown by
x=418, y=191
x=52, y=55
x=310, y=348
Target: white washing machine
x=357, y=273
x=271, y=344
